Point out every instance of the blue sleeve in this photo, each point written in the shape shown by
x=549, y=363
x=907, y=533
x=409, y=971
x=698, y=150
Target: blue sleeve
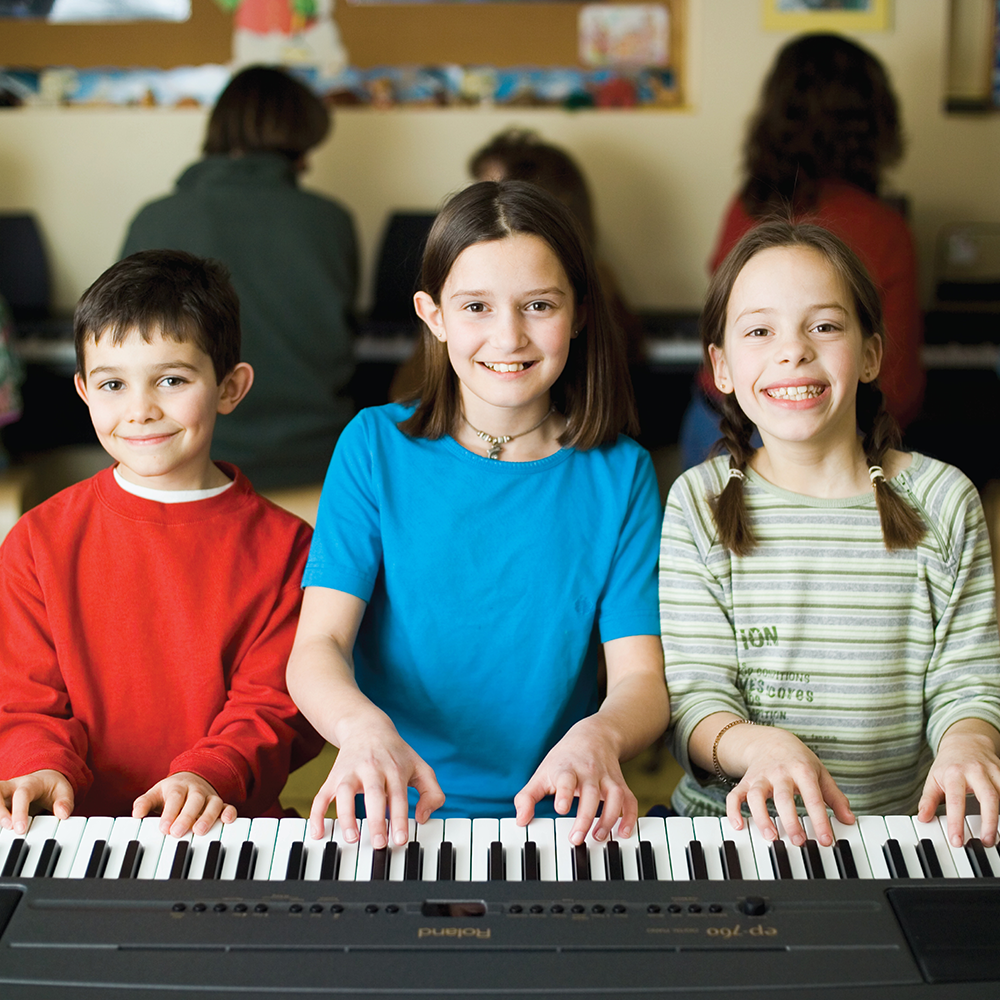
x=629, y=603
x=346, y=551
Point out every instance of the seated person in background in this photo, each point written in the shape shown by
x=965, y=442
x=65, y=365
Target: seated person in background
x=292, y=255
x=826, y=128
x=10, y=378
x=146, y=614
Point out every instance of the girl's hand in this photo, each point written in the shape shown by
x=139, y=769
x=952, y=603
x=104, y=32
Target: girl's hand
x=777, y=765
x=379, y=764
x=185, y=801
x=966, y=763
x=583, y=764
x=50, y=789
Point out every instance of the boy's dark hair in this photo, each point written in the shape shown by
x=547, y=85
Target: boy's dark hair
x=901, y=525
x=168, y=293
x=265, y=110
x=827, y=111
x=594, y=391
x=520, y=155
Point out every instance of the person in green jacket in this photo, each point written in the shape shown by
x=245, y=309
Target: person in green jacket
x=292, y=255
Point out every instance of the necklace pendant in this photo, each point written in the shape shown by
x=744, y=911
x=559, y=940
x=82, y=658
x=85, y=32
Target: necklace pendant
x=494, y=450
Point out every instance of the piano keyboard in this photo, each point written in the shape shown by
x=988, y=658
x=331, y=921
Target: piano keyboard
x=483, y=909
x=486, y=850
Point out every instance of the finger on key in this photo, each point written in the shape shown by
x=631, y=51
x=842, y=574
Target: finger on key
x=346, y=816
x=586, y=812
x=19, y=808
x=613, y=801
x=375, y=816
x=399, y=814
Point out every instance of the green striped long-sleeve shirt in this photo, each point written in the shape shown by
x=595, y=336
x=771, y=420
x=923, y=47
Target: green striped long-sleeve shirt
x=867, y=655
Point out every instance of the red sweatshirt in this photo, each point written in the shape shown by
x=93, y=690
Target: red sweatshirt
x=880, y=236
x=139, y=638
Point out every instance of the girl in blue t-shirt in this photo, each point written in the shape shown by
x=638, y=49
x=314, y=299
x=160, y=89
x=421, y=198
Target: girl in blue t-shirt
x=477, y=544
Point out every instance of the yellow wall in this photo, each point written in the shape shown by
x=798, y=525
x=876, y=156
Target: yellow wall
x=660, y=179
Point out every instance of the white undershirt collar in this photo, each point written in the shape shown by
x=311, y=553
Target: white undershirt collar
x=168, y=496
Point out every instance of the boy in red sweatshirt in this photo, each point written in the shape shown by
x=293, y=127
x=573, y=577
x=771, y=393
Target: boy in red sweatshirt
x=147, y=613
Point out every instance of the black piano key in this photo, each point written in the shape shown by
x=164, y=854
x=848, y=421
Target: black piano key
x=731, y=860
x=531, y=862
x=247, y=860
x=844, y=857
x=779, y=859
x=894, y=859
x=929, y=859
x=330, y=866
x=98, y=860
x=496, y=870
x=182, y=860
x=697, y=869
x=581, y=863
x=613, y=867
x=446, y=862
x=647, y=861
x=131, y=860
x=213, y=861
x=978, y=859
x=296, y=859
x=811, y=856
x=47, y=859
x=380, y=864
x=15, y=859
x=413, y=867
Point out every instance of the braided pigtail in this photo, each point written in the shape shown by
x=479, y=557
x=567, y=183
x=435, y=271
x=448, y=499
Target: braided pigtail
x=902, y=527
x=728, y=505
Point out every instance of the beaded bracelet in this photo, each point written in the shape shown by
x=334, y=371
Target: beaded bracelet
x=715, y=749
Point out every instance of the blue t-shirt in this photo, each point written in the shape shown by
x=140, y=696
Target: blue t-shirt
x=489, y=585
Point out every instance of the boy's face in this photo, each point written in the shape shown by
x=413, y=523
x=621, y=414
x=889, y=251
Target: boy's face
x=154, y=407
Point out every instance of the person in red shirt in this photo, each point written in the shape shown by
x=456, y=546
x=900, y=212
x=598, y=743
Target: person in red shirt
x=147, y=613
x=826, y=128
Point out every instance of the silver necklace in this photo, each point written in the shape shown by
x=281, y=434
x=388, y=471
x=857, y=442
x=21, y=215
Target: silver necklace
x=495, y=443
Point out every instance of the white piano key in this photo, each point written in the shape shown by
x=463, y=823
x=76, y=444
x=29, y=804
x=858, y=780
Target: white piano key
x=932, y=831
x=653, y=829
x=397, y=854
x=963, y=867
x=349, y=855
x=874, y=836
x=124, y=831
x=680, y=833
x=851, y=832
x=795, y=859
x=708, y=832
x=542, y=831
x=167, y=854
x=761, y=850
x=564, y=849
x=827, y=856
x=200, y=844
x=263, y=833
x=365, y=853
x=975, y=825
x=98, y=828
x=68, y=837
x=595, y=851
x=484, y=832
x=429, y=836
x=314, y=850
x=234, y=836
x=629, y=847
x=42, y=828
x=900, y=829
x=458, y=833
x=291, y=830
x=152, y=844
x=513, y=838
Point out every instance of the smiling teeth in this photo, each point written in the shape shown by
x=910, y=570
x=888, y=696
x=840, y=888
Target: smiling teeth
x=796, y=392
x=495, y=367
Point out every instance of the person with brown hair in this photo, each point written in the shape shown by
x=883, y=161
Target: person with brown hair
x=826, y=600
x=292, y=255
x=476, y=545
x=826, y=129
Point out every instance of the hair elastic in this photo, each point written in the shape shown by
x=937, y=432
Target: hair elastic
x=875, y=472
x=722, y=776
x=736, y=474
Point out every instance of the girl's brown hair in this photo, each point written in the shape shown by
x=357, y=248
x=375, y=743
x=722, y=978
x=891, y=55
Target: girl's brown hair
x=594, y=391
x=901, y=525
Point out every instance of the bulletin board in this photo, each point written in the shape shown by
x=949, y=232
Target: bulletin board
x=485, y=34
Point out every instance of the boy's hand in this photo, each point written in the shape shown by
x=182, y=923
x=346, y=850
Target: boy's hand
x=185, y=801
x=966, y=763
x=584, y=764
x=50, y=789
x=380, y=764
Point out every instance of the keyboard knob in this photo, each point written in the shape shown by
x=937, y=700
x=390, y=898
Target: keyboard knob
x=753, y=906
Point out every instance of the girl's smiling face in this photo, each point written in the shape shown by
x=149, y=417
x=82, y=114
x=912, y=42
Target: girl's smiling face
x=507, y=314
x=794, y=350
